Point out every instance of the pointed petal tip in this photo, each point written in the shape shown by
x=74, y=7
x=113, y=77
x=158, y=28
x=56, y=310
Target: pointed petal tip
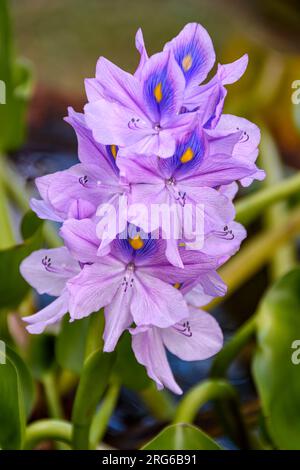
x=139, y=36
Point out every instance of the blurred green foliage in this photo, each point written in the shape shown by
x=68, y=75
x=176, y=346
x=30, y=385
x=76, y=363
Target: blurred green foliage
x=92, y=385
x=16, y=399
x=70, y=345
x=64, y=39
x=276, y=375
x=13, y=287
x=182, y=437
x=17, y=78
x=129, y=371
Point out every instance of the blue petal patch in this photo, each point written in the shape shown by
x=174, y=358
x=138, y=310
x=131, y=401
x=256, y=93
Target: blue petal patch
x=188, y=156
x=134, y=245
x=189, y=58
x=112, y=151
x=158, y=92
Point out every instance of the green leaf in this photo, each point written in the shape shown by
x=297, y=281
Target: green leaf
x=16, y=399
x=13, y=287
x=182, y=437
x=93, y=382
x=41, y=357
x=131, y=374
x=78, y=339
x=16, y=76
x=30, y=224
x=276, y=377
x=25, y=376
x=70, y=344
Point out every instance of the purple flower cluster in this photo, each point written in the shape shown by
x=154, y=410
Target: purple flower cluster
x=156, y=138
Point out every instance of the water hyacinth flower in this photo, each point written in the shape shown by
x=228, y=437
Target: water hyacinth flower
x=134, y=281
x=141, y=115
x=246, y=148
x=157, y=137
x=143, y=112
x=192, y=176
x=195, y=338
x=78, y=191
x=146, y=112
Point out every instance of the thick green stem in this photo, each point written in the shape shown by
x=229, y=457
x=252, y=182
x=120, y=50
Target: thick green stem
x=52, y=396
x=95, y=333
x=47, y=429
x=7, y=238
x=93, y=382
x=159, y=403
x=285, y=258
x=252, y=206
x=67, y=381
x=198, y=396
x=102, y=417
x=230, y=351
x=223, y=394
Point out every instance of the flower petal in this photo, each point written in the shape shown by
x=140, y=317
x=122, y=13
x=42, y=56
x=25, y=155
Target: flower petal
x=172, y=253
x=150, y=352
x=209, y=98
x=188, y=156
x=48, y=270
x=163, y=86
x=140, y=169
x=229, y=190
x=196, y=338
x=203, y=289
x=91, y=152
x=93, y=89
x=250, y=134
x=195, y=264
x=155, y=302
x=247, y=147
x=117, y=318
x=220, y=169
x=225, y=242
x=140, y=45
x=194, y=52
x=81, y=239
x=95, y=287
x=231, y=73
x=81, y=183
x=48, y=315
x=119, y=86
x=81, y=209
x=160, y=143
x=216, y=209
x=114, y=124
x=44, y=210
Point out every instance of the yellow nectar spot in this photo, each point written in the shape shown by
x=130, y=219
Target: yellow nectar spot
x=187, y=156
x=177, y=285
x=187, y=62
x=158, y=92
x=113, y=150
x=136, y=242
x=181, y=244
